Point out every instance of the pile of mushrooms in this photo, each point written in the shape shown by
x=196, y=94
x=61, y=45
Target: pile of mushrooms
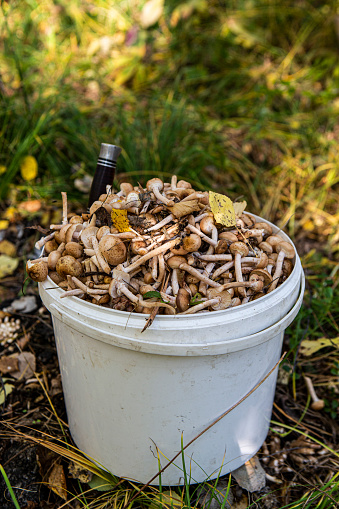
x=172, y=256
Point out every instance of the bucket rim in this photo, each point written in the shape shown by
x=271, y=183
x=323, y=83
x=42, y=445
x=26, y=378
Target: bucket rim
x=297, y=267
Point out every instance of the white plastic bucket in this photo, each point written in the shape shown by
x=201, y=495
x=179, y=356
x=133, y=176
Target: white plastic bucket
x=128, y=393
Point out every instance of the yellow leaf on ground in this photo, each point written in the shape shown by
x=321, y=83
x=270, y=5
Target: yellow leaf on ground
x=7, y=248
x=222, y=208
x=10, y=213
x=57, y=481
x=7, y=265
x=309, y=347
x=4, y=224
x=29, y=168
x=120, y=221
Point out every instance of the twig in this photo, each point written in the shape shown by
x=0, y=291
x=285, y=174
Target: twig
x=204, y=431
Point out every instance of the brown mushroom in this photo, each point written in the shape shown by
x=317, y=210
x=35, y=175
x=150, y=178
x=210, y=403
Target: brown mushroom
x=68, y=265
x=239, y=249
x=112, y=249
x=182, y=300
x=37, y=271
x=285, y=249
x=155, y=186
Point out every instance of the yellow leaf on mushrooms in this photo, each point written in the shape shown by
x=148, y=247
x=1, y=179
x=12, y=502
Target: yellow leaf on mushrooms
x=184, y=208
x=239, y=207
x=222, y=208
x=120, y=220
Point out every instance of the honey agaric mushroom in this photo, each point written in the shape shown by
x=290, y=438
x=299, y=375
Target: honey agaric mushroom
x=224, y=296
x=239, y=249
x=87, y=234
x=285, y=249
x=155, y=186
x=37, y=271
x=317, y=404
x=183, y=300
x=112, y=249
x=191, y=243
x=54, y=256
x=201, y=306
x=68, y=265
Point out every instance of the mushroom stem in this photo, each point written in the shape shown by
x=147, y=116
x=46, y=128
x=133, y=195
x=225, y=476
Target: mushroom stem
x=43, y=241
x=101, y=260
x=222, y=269
x=207, y=272
x=174, y=281
x=64, y=208
x=70, y=293
x=213, y=257
x=196, y=273
x=199, y=307
x=317, y=404
x=161, y=249
x=202, y=235
x=162, y=223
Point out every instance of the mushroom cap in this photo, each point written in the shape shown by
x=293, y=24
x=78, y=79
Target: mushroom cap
x=192, y=243
x=239, y=247
x=274, y=240
x=76, y=220
x=97, y=205
x=263, y=260
x=221, y=247
x=61, y=234
x=207, y=225
x=112, y=249
x=55, y=277
x=225, y=298
x=183, y=300
x=86, y=236
x=263, y=226
x=179, y=250
x=318, y=405
x=157, y=183
x=126, y=188
x=287, y=267
x=69, y=233
x=103, y=230
x=267, y=247
x=229, y=236
x=74, y=249
x=175, y=261
x=50, y=246
x=263, y=275
x=53, y=259
x=37, y=271
x=68, y=265
x=184, y=185
x=287, y=248
x=137, y=245
x=272, y=259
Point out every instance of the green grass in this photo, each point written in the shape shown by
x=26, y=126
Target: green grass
x=239, y=97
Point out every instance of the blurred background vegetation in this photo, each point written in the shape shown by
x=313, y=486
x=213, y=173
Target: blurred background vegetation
x=238, y=96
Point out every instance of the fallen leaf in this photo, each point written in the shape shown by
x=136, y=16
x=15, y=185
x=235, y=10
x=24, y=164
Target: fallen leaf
x=57, y=481
x=8, y=389
x=26, y=304
x=239, y=207
x=7, y=248
x=184, y=208
x=4, y=224
x=151, y=12
x=79, y=472
x=2, y=169
x=222, y=208
x=29, y=168
x=27, y=366
x=8, y=364
x=30, y=206
x=309, y=347
x=120, y=221
x=7, y=265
